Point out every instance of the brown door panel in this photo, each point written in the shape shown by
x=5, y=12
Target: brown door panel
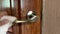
x=30, y=5
x=22, y=7
x=19, y=9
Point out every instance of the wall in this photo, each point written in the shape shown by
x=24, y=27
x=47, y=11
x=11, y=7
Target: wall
x=51, y=17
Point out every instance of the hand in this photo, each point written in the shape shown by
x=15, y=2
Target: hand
x=10, y=21
x=4, y=22
x=3, y=13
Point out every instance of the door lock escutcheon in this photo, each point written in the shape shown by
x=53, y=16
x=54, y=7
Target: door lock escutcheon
x=31, y=17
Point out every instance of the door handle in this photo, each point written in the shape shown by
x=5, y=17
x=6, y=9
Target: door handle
x=31, y=17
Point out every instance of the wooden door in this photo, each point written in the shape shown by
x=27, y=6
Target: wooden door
x=19, y=9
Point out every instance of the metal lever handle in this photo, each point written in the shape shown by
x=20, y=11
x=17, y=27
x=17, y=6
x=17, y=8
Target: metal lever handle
x=23, y=21
x=31, y=17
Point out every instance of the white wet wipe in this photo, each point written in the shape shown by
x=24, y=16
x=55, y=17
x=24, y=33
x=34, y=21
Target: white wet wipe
x=4, y=28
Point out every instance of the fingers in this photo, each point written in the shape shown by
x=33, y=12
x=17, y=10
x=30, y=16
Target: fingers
x=3, y=22
x=10, y=29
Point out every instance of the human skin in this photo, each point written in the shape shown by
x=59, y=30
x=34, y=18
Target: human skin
x=4, y=13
